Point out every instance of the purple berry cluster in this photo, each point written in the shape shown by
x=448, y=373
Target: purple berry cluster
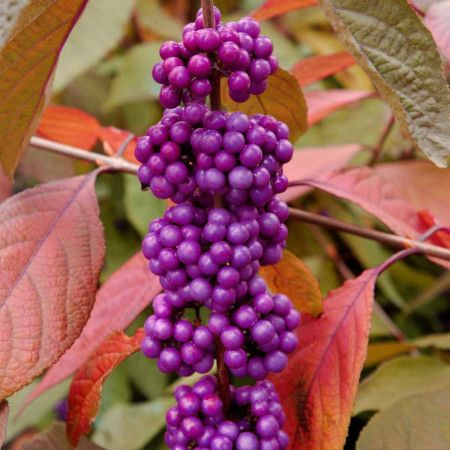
x=235, y=49
x=198, y=420
x=223, y=171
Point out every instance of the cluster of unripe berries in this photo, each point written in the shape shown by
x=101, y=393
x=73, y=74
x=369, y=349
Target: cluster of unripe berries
x=198, y=422
x=207, y=255
x=235, y=49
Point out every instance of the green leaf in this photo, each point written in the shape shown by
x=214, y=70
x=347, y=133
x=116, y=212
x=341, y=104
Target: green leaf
x=418, y=422
x=131, y=426
x=391, y=43
x=100, y=28
x=400, y=378
x=37, y=413
x=116, y=390
x=134, y=80
x=283, y=99
x=151, y=15
x=141, y=206
x=441, y=341
x=145, y=375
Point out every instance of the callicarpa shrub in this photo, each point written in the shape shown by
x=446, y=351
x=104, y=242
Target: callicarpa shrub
x=222, y=170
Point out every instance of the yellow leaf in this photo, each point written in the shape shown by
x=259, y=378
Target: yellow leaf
x=381, y=351
x=27, y=61
x=293, y=278
x=282, y=99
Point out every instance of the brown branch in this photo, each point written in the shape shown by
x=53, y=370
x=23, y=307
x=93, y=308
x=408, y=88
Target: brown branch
x=391, y=240
x=113, y=163
x=382, y=140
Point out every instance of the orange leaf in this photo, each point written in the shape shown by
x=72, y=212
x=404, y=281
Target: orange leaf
x=51, y=252
x=112, y=310
x=314, y=161
x=86, y=387
x=319, y=385
x=4, y=412
x=323, y=103
x=69, y=126
x=273, y=8
x=316, y=68
x=27, y=61
x=293, y=278
x=113, y=138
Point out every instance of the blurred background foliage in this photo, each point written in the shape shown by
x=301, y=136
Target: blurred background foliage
x=105, y=70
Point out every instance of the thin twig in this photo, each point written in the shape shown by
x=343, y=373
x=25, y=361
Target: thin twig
x=391, y=240
x=114, y=163
x=123, y=145
x=382, y=140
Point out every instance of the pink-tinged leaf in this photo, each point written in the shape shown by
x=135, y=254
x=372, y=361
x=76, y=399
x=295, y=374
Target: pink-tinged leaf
x=323, y=103
x=378, y=196
x=423, y=184
x=69, y=126
x=319, y=385
x=437, y=21
x=318, y=67
x=123, y=296
x=313, y=161
x=4, y=412
x=86, y=387
x=5, y=186
x=51, y=252
x=273, y=8
x=363, y=186
x=441, y=238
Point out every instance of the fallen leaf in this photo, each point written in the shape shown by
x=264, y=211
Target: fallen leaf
x=283, y=99
x=86, y=387
x=4, y=412
x=325, y=102
x=99, y=30
x=273, y=8
x=400, y=378
x=317, y=67
x=437, y=20
x=293, y=278
x=415, y=423
x=69, y=126
x=311, y=162
x=27, y=61
x=121, y=298
x=131, y=426
x=54, y=438
x=51, y=252
x=396, y=50
x=319, y=385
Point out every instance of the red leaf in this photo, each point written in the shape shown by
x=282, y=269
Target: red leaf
x=322, y=103
x=316, y=68
x=84, y=394
x=441, y=238
x=4, y=412
x=437, y=20
x=311, y=162
x=5, y=186
x=51, y=253
x=113, y=138
x=273, y=8
x=69, y=126
x=319, y=385
x=423, y=184
x=124, y=295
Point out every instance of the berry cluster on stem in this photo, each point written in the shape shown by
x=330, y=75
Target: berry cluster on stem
x=223, y=171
